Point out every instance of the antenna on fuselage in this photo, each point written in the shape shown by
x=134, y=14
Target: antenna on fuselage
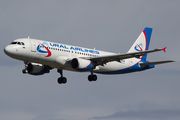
x=28, y=37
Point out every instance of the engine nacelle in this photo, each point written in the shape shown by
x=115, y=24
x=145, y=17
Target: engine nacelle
x=81, y=64
x=36, y=69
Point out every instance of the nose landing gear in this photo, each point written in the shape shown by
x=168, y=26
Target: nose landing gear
x=25, y=71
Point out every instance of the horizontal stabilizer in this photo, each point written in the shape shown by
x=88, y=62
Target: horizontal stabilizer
x=155, y=63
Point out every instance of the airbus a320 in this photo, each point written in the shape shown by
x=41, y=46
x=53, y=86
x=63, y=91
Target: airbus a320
x=41, y=56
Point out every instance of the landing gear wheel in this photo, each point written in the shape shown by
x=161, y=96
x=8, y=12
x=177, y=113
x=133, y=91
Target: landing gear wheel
x=24, y=71
x=62, y=80
x=92, y=78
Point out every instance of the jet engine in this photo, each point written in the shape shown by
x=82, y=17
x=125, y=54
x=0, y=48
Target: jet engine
x=81, y=64
x=35, y=69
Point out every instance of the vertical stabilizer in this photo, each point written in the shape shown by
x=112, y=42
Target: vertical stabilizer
x=142, y=42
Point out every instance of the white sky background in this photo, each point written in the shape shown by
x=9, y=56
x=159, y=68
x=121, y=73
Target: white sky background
x=106, y=25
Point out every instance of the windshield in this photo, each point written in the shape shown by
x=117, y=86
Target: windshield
x=19, y=43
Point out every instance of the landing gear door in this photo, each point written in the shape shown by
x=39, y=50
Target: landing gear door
x=33, y=45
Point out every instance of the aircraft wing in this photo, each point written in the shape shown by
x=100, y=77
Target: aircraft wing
x=118, y=57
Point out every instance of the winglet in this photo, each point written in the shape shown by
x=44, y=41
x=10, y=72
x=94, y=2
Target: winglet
x=164, y=49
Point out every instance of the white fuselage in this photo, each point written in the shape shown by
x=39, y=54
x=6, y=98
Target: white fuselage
x=56, y=55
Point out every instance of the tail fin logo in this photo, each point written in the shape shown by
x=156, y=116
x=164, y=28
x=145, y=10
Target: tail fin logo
x=139, y=47
x=46, y=47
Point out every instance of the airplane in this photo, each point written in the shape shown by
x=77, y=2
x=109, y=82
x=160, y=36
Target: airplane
x=41, y=56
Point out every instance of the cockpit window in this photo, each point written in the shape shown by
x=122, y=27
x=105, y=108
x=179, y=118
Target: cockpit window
x=14, y=43
x=19, y=43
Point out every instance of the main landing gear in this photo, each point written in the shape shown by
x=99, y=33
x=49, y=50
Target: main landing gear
x=92, y=77
x=61, y=80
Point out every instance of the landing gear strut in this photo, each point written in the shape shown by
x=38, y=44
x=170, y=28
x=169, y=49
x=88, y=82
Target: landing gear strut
x=92, y=77
x=24, y=71
x=61, y=80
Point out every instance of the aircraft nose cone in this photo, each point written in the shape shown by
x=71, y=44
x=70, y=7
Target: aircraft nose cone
x=8, y=50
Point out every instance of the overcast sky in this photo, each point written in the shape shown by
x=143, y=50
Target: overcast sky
x=109, y=25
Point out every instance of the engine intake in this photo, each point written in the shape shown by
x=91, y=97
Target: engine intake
x=81, y=64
